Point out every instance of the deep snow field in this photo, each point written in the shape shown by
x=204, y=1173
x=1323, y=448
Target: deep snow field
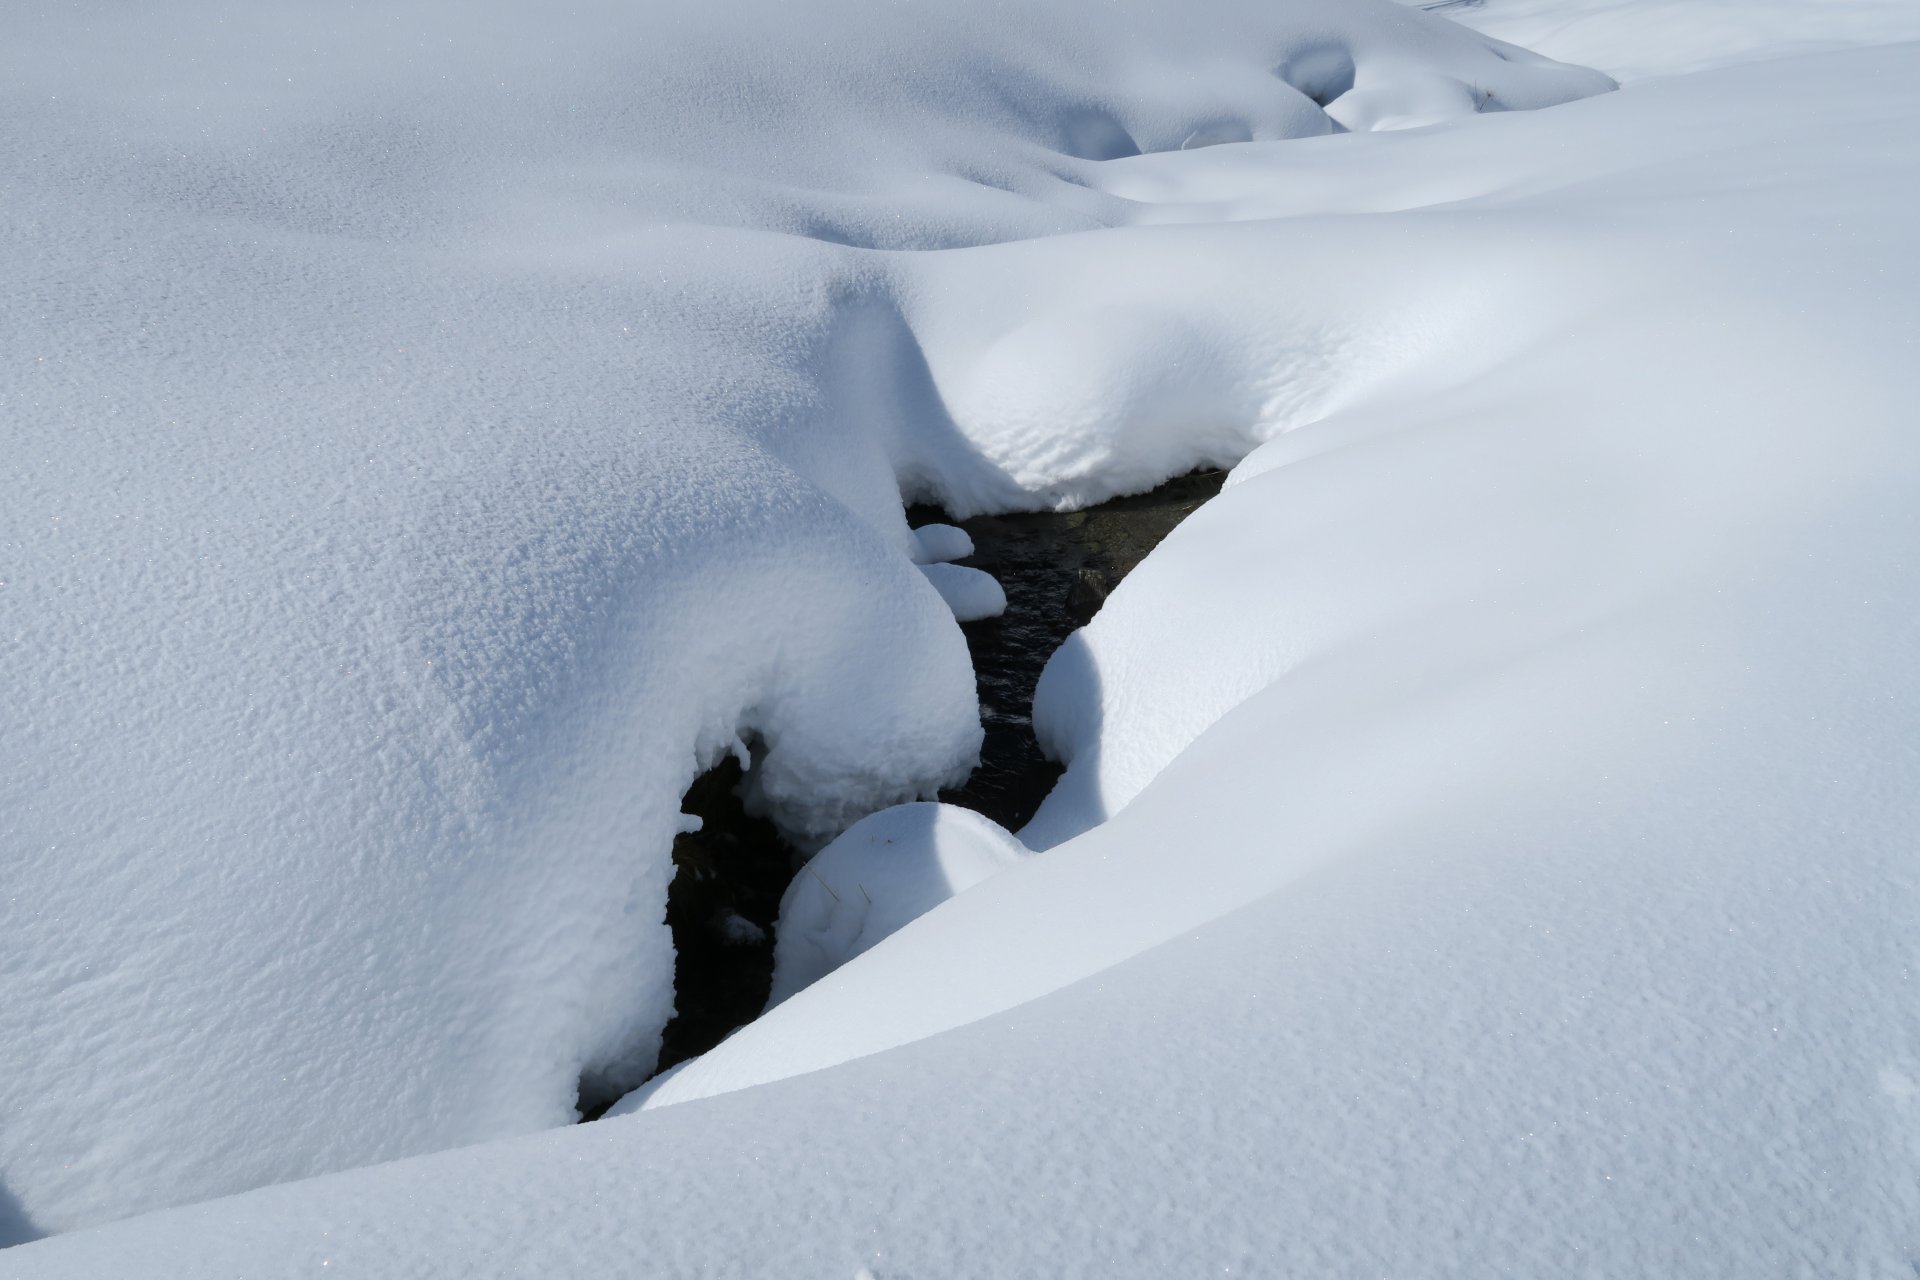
x=432, y=434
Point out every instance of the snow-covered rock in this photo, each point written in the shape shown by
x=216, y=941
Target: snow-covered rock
x=939, y=543
x=970, y=593
x=884, y=872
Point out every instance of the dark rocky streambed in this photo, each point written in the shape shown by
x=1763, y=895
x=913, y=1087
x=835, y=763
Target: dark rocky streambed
x=1057, y=569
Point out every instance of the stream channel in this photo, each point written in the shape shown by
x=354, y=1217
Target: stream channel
x=1057, y=569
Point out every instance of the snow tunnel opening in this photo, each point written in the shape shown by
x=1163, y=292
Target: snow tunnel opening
x=728, y=879
x=1324, y=73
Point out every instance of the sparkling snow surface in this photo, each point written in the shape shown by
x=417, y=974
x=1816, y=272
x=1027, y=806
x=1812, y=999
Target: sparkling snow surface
x=434, y=433
x=1487, y=842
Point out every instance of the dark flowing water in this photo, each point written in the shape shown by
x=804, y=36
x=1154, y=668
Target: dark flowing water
x=1057, y=569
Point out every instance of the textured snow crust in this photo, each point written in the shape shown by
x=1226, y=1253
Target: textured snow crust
x=1494, y=813
x=434, y=433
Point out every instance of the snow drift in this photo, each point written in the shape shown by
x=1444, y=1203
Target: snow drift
x=1487, y=839
x=435, y=433
x=1487, y=843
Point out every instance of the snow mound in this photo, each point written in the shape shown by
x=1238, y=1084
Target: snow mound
x=885, y=871
x=939, y=543
x=970, y=593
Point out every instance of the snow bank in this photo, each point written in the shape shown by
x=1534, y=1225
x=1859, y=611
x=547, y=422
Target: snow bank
x=1515, y=873
x=1508, y=783
x=435, y=433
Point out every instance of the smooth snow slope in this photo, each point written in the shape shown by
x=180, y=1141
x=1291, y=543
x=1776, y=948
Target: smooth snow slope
x=1635, y=39
x=1508, y=783
x=434, y=432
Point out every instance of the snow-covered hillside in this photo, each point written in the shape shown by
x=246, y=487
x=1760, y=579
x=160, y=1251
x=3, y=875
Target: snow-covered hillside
x=435, y=434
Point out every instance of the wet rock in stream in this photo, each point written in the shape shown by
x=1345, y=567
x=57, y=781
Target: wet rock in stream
x=1057, y=569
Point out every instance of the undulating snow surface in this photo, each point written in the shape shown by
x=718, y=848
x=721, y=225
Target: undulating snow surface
x=435, y=432
x=1486, y=846
x=1634, y=39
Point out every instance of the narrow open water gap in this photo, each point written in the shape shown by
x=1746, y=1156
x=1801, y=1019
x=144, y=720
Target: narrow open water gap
x=1057, y=569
